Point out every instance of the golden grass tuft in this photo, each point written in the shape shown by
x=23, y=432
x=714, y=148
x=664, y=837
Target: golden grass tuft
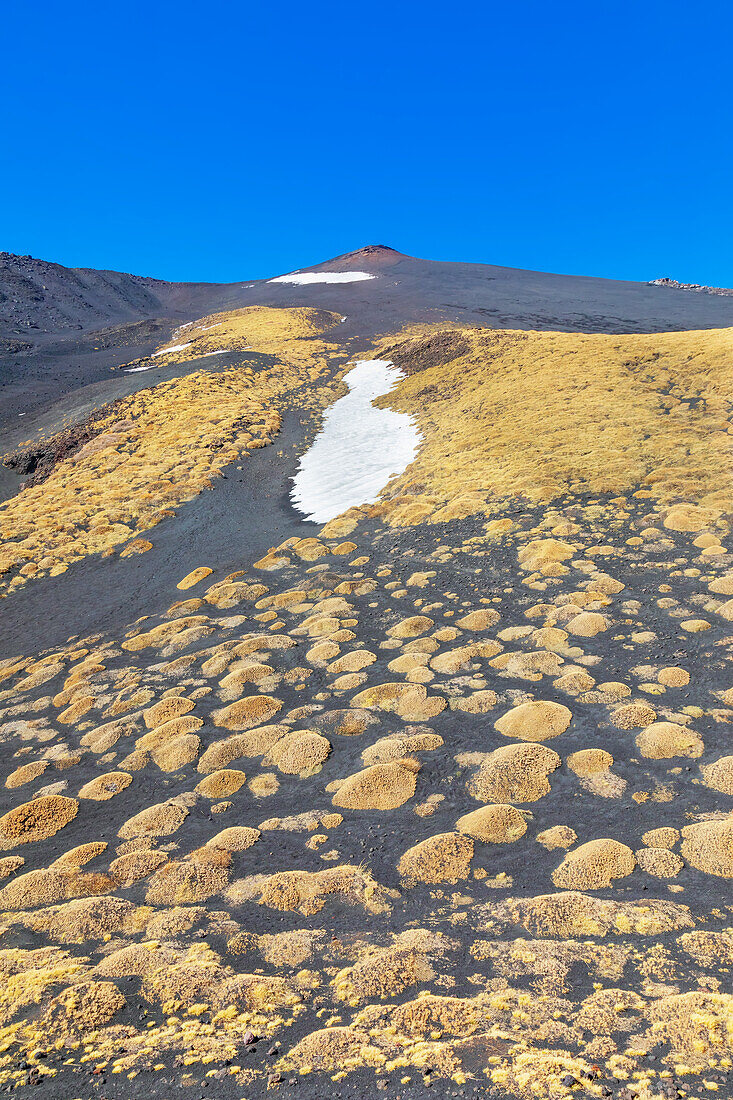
x=708, y=948
x=47, y=886
x=162, y=819
x=411, y=627
x=194, y=577
x=594, y=866
x=587, y=624
x=719, y=775
x=445, y=857
x=87, y=1006
x=534, y=721
x=38, y=819
x=693, y=1024
x=9, y=865
x=308, y=892
x=410, y=702
x=255, y=743
x=221, y=784
x=132, y=867
x=165, y=733
x=237, y=838
x=354, y=661
x=264, y=785
x=512, y=773
x=309, y=549
x=379, y=787
x=26, y=773
x=137, y=960
x=662, y=837
x=478, y=702
x=245, y=672
x=300, y=752
x=557, y=836
x=396, y=746
x=589, y=762
x=173, y=706
x=88, y=919
x=659, y=862
x=201, y=876
x=432, y=1013
x=479, y=620
x=333, y=1048
x=383, y=974
x=455, y=660
x=664, y=740
x=106, y=786
x=672, y=676
x=289, y=949
x=573, y=915
x=535, y=555
x=497, y=824
x=245, y=713
x=689, y=517
x=708, y=845
x=633, y=716
x=103, y=738
x=228, y=593
x=175, y=753
x=344, y=723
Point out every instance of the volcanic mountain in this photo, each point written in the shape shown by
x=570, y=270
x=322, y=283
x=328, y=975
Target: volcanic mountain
x=365, y=683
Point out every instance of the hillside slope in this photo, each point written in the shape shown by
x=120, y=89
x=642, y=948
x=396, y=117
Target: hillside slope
x=434, y=798
x=38, y=297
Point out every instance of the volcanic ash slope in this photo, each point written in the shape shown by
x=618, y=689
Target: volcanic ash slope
x=439, y=791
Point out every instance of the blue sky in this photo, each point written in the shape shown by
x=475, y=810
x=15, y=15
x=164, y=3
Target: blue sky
x=228, y=140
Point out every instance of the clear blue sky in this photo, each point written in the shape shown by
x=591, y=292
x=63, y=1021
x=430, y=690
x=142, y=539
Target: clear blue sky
x=231, y=140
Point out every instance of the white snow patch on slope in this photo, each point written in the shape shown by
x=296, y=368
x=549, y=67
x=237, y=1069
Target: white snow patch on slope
x=176, y=347
x=358, y=449
x=306, y=278
x=204, y=355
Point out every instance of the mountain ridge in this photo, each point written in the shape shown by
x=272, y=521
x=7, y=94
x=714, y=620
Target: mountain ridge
x=39, y=298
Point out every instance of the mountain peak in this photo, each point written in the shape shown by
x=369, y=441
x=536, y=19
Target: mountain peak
x=372, y=255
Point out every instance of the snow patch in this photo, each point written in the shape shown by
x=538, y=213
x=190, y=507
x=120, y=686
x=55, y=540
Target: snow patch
x=166, y=351
x=306, y=278
x=358, y=449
